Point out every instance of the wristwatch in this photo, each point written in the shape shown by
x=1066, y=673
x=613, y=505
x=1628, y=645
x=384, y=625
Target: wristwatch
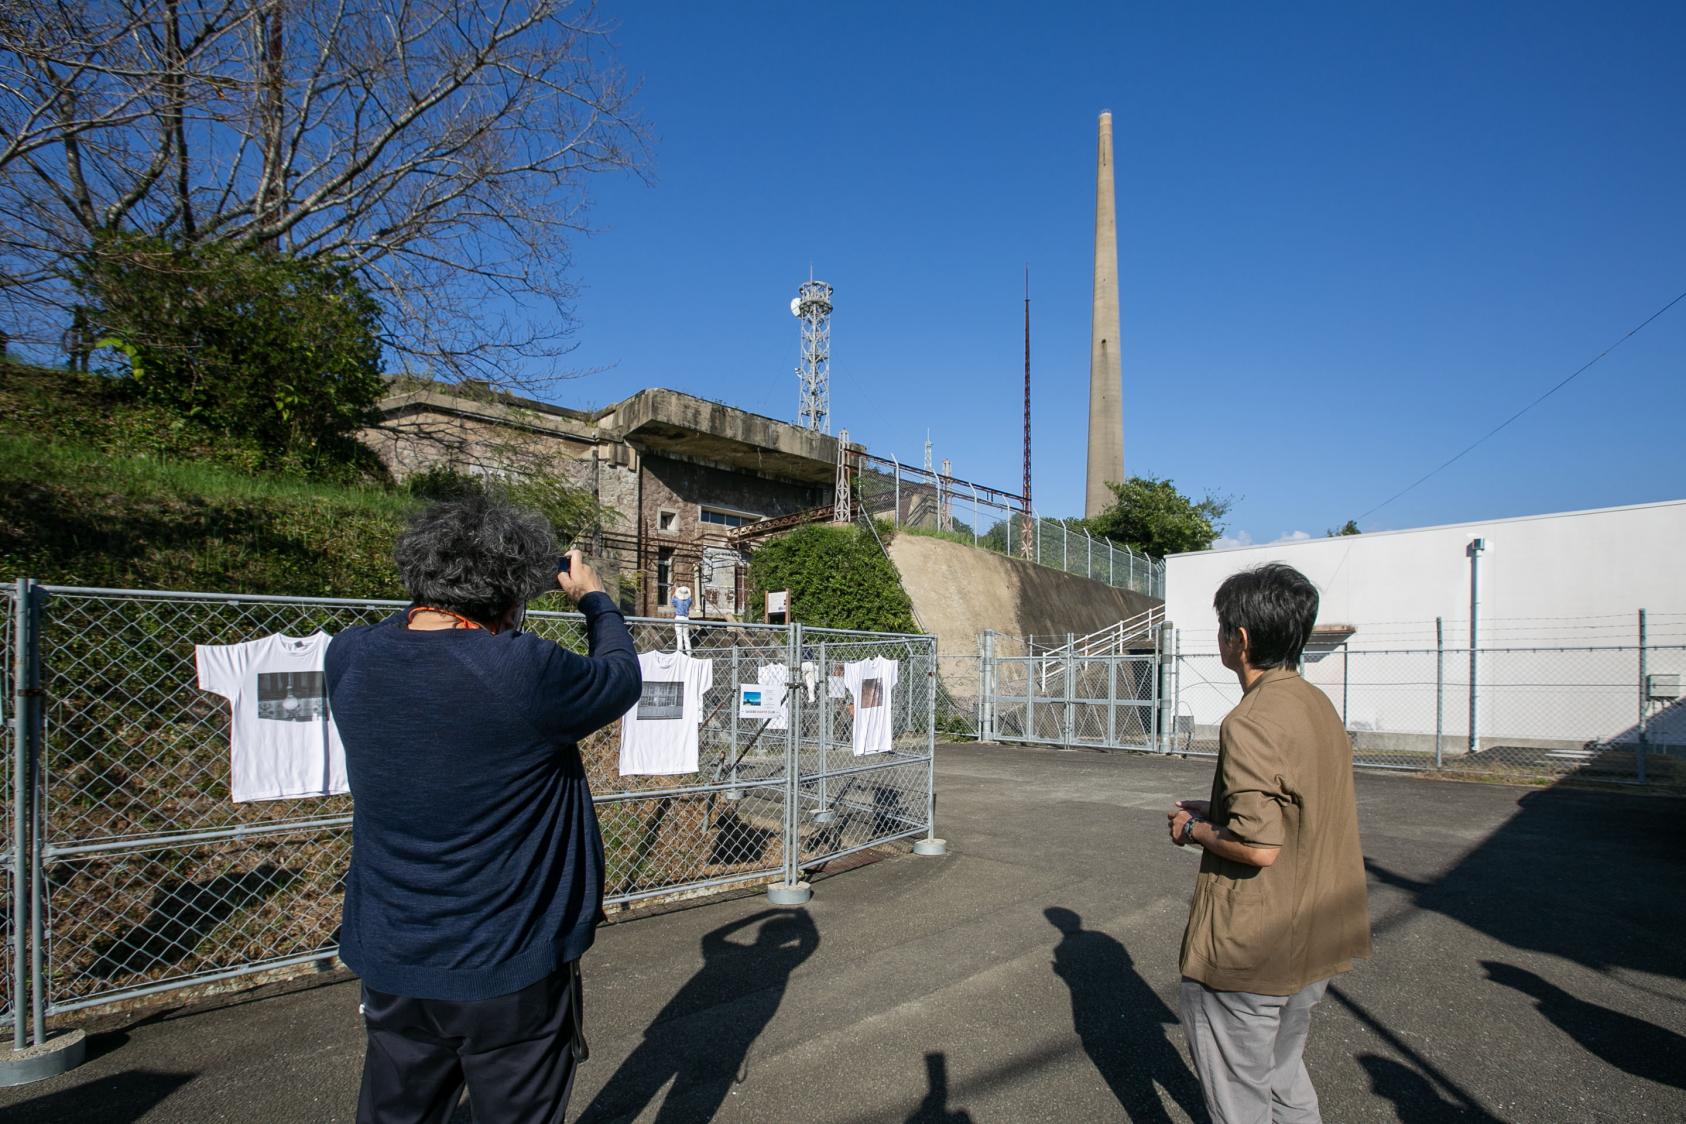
x=1188, y=828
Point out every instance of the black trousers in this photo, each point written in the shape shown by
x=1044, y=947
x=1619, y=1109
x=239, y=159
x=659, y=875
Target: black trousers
x=516, y=1053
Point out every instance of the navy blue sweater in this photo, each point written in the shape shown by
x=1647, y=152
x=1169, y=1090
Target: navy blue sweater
x=476, y=861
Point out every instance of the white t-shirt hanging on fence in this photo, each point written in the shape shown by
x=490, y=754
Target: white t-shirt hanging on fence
x=284, y=744
x=872, y=682
x=659, y=735
x=773, y=677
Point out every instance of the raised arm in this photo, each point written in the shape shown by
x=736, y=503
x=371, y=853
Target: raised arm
x=595, y=689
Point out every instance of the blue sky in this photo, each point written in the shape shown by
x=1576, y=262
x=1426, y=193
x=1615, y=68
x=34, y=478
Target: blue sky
x=1352, y=238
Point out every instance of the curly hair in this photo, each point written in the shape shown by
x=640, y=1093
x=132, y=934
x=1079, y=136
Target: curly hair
x=477, y=555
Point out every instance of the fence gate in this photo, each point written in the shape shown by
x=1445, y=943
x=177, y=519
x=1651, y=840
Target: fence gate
x=1064, y=699
x=865, y=774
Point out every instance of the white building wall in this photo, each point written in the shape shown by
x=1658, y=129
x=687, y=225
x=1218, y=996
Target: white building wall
x=1569, y=580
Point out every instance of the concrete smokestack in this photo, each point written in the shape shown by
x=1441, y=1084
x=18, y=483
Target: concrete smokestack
x=1106, y=375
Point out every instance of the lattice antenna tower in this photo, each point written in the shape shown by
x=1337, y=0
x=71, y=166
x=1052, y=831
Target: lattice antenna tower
x=945, y=497
x=812, y=306
x=842, y=508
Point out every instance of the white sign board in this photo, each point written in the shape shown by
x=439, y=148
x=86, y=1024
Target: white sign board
x=761, y=704
x=778, y=601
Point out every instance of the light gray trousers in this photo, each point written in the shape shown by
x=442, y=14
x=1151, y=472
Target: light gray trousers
x=1247, y=1051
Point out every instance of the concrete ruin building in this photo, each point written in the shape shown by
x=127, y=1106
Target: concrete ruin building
x=677, y=473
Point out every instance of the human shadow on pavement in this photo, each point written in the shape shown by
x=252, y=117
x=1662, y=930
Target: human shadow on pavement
x=119, y=1099
x=1620, y=903
x=737, y=991
x=1414, y=1096
x=1631, y=1044
x=1121, y=1022
x=934, y=1108
x=181, y=916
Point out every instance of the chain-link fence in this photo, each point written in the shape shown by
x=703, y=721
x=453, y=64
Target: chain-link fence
x=145, y=876
x=925, y=502
x=1611, y=713
x=959, y=697
x=864, y=761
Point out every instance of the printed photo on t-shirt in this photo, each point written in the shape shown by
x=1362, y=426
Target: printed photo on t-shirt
x=661, y=701
x=872, y=693
x=292, y=696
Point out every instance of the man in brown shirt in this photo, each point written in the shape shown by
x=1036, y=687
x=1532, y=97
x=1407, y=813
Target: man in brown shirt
x=1279, y=903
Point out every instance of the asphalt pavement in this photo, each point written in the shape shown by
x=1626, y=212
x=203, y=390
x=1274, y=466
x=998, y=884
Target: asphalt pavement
x=1528, y=967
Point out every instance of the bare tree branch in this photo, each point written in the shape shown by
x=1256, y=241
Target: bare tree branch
x=443, y=147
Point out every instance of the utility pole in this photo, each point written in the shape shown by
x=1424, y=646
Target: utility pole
x=1025, y=539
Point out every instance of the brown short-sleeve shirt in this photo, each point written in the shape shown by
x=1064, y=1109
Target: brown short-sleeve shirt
x=1284, y=779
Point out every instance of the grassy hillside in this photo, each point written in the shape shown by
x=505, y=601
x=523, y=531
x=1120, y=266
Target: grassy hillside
x=98, y=490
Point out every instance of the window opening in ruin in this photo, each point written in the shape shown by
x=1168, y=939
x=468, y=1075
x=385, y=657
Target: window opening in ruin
x=726, y=518
x=664, y=574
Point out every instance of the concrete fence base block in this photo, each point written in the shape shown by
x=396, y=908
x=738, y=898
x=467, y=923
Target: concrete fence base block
x=931, y=847
x=62, y=1052
x=789, y=893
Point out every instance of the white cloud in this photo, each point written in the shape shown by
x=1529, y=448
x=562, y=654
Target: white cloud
x=1245, y=538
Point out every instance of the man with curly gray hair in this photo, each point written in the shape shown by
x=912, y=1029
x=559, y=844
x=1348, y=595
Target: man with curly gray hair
x=476, y=876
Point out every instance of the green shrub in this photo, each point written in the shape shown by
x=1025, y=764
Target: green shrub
x=284, y=351
x=837, y=577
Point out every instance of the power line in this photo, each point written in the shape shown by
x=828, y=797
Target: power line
x=1630, y=333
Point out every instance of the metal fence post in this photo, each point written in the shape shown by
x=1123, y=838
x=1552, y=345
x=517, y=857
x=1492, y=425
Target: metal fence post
x=896, y=515
x=1091, y=553
x=1177, y=683
x=931, y=845
x=986, y=686
x=1036, y=532
x=1164, y=724
x=1111, y=564
x=1070, y=708
x=735, y=792
x=790, y=889
x=45, y=1058
x=1439, y=688
x=1133, y=570
x=1639, y=758
x=29, y=617
x=1030, y=671
x=1346, y=682
x=1112, y=699
x=1476, y=546
x=22, y=700
x=793, y=756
